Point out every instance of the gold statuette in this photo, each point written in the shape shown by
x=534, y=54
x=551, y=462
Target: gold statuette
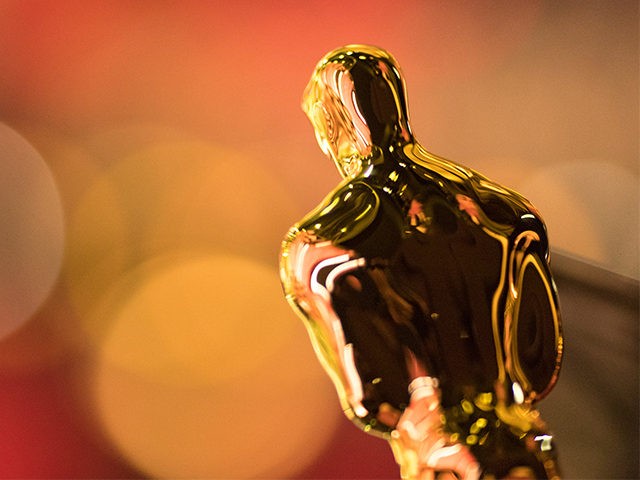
x=424, y=286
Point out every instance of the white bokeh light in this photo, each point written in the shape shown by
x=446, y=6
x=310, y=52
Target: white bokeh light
x=32, y=226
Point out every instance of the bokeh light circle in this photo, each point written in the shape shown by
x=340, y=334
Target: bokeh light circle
x=165, y=192
x=32, y=225
x=205, y=373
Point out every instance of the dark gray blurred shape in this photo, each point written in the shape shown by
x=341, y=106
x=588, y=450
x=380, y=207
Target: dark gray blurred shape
x=594, y=408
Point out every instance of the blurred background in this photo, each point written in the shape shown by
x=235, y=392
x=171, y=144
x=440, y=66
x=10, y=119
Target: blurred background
x=152, y=156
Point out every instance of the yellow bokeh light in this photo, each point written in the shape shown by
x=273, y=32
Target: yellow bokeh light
x=202, y=318
x=206, y=374
x=163, y=192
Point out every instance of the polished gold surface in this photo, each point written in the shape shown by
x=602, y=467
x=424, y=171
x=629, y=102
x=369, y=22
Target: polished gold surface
x=425, y=287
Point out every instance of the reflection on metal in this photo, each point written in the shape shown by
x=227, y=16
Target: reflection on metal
x=424, y=286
